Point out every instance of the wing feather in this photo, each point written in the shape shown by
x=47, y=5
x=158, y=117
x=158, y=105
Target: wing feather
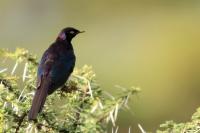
x=43, y=84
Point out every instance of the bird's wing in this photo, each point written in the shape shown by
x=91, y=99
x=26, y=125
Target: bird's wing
x=43, y=84
x=48, y=60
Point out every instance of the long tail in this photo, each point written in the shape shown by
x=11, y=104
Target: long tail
x=38, y=100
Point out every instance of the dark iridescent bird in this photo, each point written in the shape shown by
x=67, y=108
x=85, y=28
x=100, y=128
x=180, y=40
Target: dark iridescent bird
x=55, y=67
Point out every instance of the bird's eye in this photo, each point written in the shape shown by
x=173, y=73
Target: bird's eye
x=72, y=32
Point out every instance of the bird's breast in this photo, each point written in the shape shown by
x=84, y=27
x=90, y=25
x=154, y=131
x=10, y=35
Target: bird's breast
x=62, y=69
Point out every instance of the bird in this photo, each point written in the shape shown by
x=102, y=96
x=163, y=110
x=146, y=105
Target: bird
x=55, y=67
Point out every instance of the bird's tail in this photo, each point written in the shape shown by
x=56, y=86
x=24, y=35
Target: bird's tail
x=38, y=100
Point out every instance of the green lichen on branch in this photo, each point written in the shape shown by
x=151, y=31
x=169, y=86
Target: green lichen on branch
x=80, y=106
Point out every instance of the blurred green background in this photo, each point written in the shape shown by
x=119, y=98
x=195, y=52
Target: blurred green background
x=154, y=45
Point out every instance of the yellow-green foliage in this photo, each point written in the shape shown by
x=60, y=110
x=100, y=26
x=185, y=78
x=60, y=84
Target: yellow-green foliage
x=189, y=127
x=81, y=106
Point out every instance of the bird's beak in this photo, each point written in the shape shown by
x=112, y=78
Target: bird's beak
x=81, y=31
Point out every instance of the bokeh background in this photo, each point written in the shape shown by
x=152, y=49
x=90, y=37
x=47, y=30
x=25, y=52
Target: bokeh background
x=154, y=45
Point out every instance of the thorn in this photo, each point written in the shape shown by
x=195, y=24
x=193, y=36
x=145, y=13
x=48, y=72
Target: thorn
x=94, y=108
x=119, y=87
x=127, y=98
x=109, y=95
x=112, y=130
x=112, y=118
x=116, y=129
x=21, y=94
x=100, y=104
x=25, y=70
x=129, y=129
x=116, y=111
x=14, y=68
x=3, y=70
x=90, y=89
x=141, y=129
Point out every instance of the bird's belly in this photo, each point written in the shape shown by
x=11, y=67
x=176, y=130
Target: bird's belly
x=60, y=73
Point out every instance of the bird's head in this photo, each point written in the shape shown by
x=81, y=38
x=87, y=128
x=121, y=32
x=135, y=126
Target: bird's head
x=68, y=33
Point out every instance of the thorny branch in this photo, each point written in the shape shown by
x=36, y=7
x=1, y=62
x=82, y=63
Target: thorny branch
x=77, y=109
